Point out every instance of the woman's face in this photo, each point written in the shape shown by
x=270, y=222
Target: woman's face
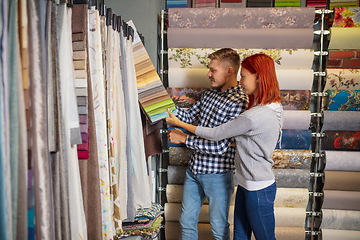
x=249, y=82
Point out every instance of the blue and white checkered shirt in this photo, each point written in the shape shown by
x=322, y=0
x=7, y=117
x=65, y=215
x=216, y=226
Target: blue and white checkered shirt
x=213, y=109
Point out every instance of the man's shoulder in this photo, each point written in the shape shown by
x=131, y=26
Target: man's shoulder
x=237, y=95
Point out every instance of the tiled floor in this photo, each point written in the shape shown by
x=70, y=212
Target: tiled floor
x=173, y=232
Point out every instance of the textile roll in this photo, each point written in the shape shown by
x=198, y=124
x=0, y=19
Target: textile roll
x=342, y=181
x=291, y=159
x=342, y=79
x=341, y=120
x=197, y=78
x=174, y=194
x=241, y=18
x=291, y=197
x=344, y=38
x=340, y=219
x=179, y=156
x=341, y=200
x=283, y=58
x=336, y=234
x=342, y=140
x=342, y=161
x=185, y=97
x=295, y=99
x=289, y=217
x=295, y=119
x=240, y=38
x=292, y=178
x=346, y=17
x=176, y=174
x=295, y=139
x=344, y=100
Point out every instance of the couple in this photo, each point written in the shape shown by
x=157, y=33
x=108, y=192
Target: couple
x=250, y=114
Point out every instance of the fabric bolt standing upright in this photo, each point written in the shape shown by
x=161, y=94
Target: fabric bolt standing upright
x=97, y=82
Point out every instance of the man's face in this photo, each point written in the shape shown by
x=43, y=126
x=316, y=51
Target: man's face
x=218, y=74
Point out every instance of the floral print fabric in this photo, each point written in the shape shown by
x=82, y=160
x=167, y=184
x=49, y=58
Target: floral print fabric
x=263, y=18
x=342, y=79
x=347, y=17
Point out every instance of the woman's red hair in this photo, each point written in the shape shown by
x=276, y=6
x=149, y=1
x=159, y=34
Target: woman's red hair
x=264, y=66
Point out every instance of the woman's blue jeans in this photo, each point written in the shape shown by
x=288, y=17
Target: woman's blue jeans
x=254, y=212
x=217, y=188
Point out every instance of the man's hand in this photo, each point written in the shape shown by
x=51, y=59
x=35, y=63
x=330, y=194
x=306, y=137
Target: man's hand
x=177, y=136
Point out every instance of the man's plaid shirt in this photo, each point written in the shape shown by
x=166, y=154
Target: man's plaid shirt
x=213, y=109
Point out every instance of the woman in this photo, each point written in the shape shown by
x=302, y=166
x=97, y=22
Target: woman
x=256, y=132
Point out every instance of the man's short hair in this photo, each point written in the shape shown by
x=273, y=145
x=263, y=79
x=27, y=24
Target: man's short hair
x=229, y=55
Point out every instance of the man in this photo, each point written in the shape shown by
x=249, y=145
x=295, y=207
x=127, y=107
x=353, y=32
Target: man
x=210, y=172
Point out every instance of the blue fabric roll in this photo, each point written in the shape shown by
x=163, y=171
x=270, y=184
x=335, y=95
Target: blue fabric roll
x=295, y=139
x=344, y=100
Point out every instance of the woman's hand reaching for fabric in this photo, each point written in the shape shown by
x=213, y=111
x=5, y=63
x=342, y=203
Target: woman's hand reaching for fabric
x=177, y=136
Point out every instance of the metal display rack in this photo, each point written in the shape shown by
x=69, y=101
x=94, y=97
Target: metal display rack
x=313, y=210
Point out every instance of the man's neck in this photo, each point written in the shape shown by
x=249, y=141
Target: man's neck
x=231, y=83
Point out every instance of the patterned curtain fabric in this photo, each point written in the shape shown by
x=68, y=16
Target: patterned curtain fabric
x=97, y=82
x=344, y=100
x=342, y=140
x=295, y=139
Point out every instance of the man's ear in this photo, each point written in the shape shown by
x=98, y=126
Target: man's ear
x=230, y=71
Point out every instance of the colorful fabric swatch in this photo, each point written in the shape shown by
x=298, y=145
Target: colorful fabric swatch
x=153, y=97
x=342, y=140
x=295, y=139
x=343, y=3
x=176, y=3
x=235, y=18
x=344, y=100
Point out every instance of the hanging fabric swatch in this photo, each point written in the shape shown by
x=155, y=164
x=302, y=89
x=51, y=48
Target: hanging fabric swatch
x=97, y=79
x=344, y=100
x=295, y=139
x=342, y=181
x=342, y=161
x=152, y=94
x=292, y=178
x=179, y=156
x=344, y=38
x=341, y=120
x=70, y=124
x=340, y=219
x=232, y=4
x=234, y=18
x=141, y=186
x=39, y=151
x=342, y=140
x=342, y=79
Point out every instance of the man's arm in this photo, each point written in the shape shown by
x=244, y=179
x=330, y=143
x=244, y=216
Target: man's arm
x=190, y=115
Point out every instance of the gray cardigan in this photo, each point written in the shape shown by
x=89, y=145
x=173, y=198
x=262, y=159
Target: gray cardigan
x=256, y=132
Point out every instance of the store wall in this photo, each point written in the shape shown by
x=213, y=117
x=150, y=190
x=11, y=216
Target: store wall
x=144, y=14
